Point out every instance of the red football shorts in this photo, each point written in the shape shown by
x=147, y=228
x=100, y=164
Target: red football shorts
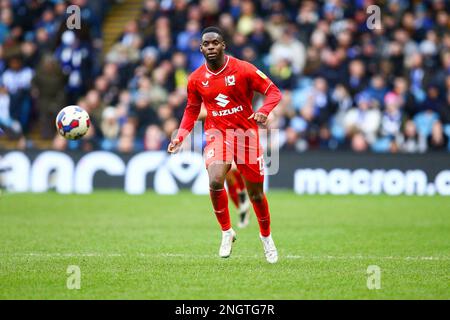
x=244, y=150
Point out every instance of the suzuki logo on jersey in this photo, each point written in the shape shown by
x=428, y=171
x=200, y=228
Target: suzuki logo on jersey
x=230, y=81
x=222, y=100
x=227, y=112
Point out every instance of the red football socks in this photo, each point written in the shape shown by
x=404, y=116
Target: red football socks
x=219, y=201
x=262, y=213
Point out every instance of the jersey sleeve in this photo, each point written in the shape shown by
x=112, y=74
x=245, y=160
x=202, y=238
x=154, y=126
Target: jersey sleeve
x=194, y=101
x=193, y=96
x=261, y=83
x=258, y=80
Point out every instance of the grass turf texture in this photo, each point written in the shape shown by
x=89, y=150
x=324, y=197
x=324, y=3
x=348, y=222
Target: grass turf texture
x=166, y=247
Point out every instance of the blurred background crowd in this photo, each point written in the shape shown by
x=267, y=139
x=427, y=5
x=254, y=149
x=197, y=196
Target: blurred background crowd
x=346, y=85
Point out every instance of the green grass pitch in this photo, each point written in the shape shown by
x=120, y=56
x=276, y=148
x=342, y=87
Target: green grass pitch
x=166, y=247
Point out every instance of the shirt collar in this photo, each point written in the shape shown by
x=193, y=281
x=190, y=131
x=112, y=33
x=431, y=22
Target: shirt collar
x=223, y=68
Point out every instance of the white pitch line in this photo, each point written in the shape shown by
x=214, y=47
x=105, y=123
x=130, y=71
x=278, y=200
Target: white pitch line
x=184, y=255
x=364, y=258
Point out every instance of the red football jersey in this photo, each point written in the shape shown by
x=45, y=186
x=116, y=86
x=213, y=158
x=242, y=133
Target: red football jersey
x=227, y=95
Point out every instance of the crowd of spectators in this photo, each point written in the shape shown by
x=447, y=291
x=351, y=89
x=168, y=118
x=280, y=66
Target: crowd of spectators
x=346, y=84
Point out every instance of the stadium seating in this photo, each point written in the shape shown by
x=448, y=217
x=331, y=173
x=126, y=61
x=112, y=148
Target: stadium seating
x=135, y=56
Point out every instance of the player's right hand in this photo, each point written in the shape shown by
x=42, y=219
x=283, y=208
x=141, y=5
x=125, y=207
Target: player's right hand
x=259, y=117
x=174, y=145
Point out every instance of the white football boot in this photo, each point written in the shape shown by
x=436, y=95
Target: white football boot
x=244, y=210
x=270, y=251
x=228, y=237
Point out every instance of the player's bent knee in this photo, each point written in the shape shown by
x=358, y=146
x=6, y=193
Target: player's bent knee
x=216, y=184
x=256, y=196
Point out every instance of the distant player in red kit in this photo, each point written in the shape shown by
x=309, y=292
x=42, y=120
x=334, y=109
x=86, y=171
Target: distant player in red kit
x=238, y=194
x=226, y=85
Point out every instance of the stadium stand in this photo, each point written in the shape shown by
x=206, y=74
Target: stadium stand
x=345, y=86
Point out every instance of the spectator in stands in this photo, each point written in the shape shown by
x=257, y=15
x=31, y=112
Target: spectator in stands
x=260, y=38
x=282, y=74
x=357, y=78
x=180, y=73
x=43, y=42
x=126, y=141
x=114, y=80
x=169, y=126
x=319, y=106
x=48, y=89
x=194, y=56
x=359, y=142
x=332, y=67
x=307, y=19
x=93, y=104
x=365, y=119
x=74, y=57
x=437, y=141
x=91, y=14
x=246, y=22
x=7, y=124
x=143, y=114
x=287, y=47
x=110, y=128
x=444, y=112
x=377, y=89
x=238, y=43
x=30, y=54
x=184, y=37
x=444, y=72
x=433, y=100
x=417, y=76
x=343, y=101
x=48, y=22
x=407, y=102
x=59, y=143
x=391, y=122
x=153, y=138
x=276, y=21
x=6, y=21
x=411, y=141
x=291, y=140
x=17, y=80
x=392, y=117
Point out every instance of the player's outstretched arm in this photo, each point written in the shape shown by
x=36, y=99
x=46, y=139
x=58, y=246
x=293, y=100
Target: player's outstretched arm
x=187, y=123
x=190, y=115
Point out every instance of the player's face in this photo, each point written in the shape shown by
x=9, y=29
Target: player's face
x=212, y=47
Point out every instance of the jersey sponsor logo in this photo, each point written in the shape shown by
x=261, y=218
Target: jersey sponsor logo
x=222, y=100
x=205, y=83
x=261, y=74
x=227, y=112
x=230, y=80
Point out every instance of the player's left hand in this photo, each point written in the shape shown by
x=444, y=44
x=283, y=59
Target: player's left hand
x=259, y=118
x=174, y=145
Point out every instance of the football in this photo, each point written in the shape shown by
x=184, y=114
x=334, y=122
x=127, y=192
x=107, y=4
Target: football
x=72, y=122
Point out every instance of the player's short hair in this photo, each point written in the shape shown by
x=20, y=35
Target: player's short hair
x=213, y=29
